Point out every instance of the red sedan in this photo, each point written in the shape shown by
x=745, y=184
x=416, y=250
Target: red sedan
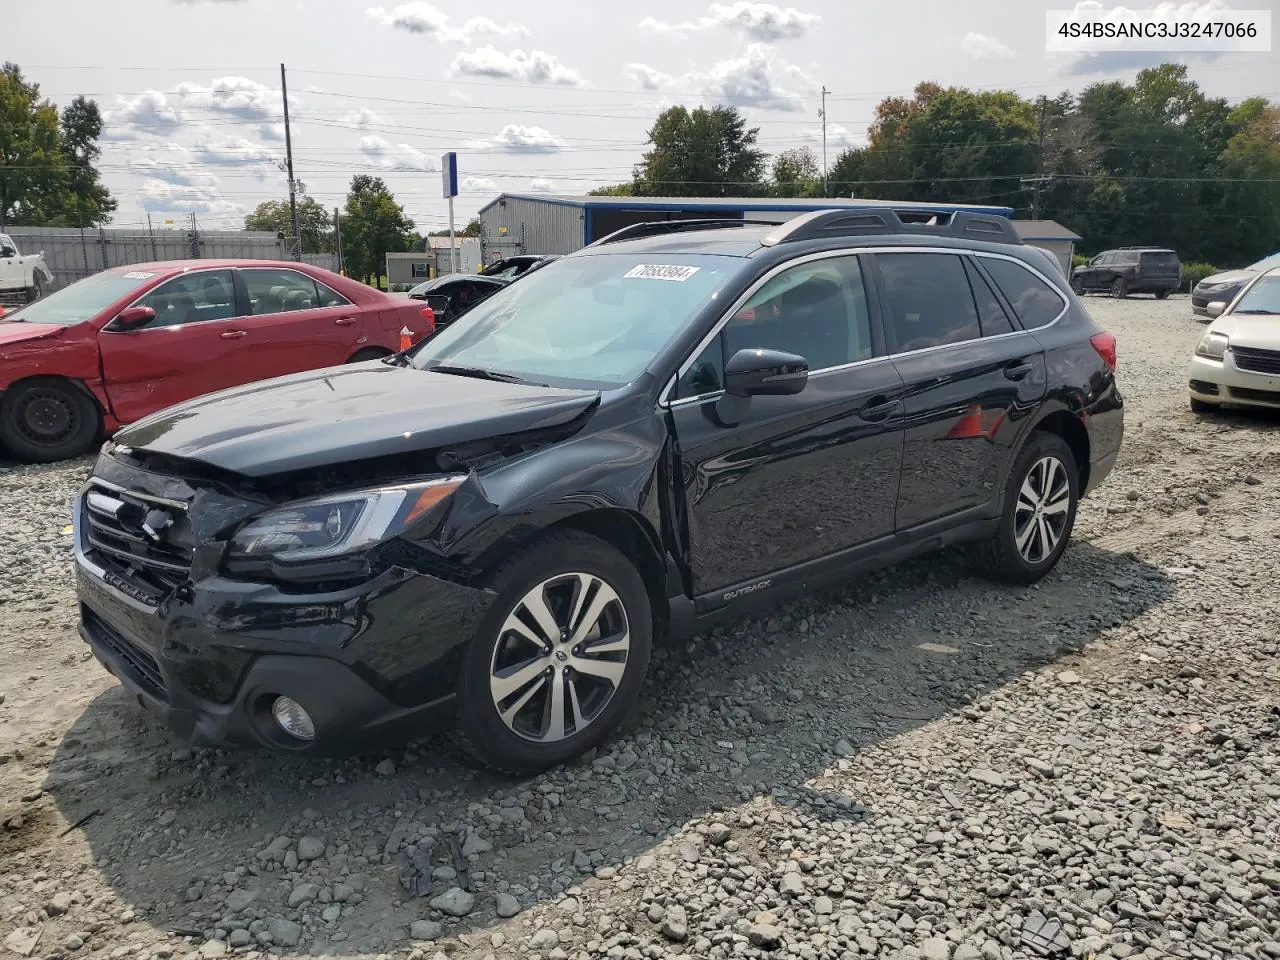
x=126, y=342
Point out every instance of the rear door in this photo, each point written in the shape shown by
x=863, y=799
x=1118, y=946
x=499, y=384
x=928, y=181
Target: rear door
x=190, y=349
x=294, y=323
x=970, y=376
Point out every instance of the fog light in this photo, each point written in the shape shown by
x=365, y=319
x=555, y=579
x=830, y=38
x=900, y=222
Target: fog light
x=293, y=719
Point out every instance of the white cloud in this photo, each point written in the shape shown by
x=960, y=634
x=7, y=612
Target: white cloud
x=517, y=138
x=237, y=97
x=748, y=81
x=839, y=137
x=979, y=46
x=170, y=162
x=479, y=185
x=648, y=77
x=536, y=66
x=424, y=19
x=541, y=185
x=364, y=117
x=149, y=112
x=758, y=21
x=397, y=157
x=233, y=152
x=161, y=196
x=271, y=131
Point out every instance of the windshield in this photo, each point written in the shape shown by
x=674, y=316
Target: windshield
x=591, y=320
x=1263, y=297
x=1266, y=263
x=83, y=299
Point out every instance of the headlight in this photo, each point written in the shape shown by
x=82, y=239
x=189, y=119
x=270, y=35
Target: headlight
x=1204, y=287
x=1213, y=346
x=339, y=524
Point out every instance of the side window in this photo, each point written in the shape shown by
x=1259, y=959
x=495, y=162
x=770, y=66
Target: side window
x=817, y=310
x=929, y=303
x=991, y=315
x=278, y=291
x=1034, y=301
x=192, y=298
x=328, y=297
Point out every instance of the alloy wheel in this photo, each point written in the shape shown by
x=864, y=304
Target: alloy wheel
x=1040, y=515
x=560, y=657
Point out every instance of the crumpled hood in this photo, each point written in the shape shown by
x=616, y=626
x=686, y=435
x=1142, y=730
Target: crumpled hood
x=14, y=331
x=343, y=414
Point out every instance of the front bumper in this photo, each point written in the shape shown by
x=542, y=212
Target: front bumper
x=1221, y=381
x=370, y=663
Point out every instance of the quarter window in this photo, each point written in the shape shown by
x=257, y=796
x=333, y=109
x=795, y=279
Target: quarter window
x=192, y=298
x=929, y=302
x=1034, y=301
x=279, y=291
x=817, y=310
x=991, y=315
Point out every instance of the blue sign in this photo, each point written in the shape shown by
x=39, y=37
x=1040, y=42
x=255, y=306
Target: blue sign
x=449, y=174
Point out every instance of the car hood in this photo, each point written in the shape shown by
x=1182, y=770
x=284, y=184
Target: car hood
x=344, y=414
x=1260, y=331
x=15, y=331
x=1227, y=276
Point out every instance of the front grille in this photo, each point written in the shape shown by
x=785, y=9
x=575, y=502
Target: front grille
x=115, y=536
x=141, y=666
x=1257, y=396
x=1256, y=361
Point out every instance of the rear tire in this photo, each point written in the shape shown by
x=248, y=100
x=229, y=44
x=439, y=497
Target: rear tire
x=1162, y=294
x=1202, y=406
x=1040, y=502
x=536, y=689
x=369, y=353
x=1119, y=289
x=45, y=420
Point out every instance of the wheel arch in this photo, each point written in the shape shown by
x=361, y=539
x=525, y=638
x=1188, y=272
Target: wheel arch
x=1068, y=426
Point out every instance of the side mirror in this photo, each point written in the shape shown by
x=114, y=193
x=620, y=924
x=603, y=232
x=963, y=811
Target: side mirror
x=133, y=318
x=1215, y=308
x=765, y=373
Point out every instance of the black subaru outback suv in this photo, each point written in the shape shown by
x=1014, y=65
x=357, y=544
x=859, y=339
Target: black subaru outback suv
x=648, y=434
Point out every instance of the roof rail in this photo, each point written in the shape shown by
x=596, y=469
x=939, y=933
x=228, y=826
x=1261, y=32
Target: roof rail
x=873, y=220
x=651, y=228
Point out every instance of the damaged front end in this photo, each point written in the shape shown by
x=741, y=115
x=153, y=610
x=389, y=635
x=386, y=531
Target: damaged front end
x=310, y=610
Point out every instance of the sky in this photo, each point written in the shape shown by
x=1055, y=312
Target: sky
x=547, y=97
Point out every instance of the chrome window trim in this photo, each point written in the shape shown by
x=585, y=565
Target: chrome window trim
x=665, y=400
x=190, y=272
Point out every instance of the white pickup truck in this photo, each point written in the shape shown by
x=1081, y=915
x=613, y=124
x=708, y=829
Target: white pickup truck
x=22, y=279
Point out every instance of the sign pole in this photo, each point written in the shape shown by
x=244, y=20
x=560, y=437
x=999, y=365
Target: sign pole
x=449, y=177
x=453, y=243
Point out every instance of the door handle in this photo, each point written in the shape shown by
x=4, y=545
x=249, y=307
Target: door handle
x=233, y=335
x=345, y=321
x=877, y=409
x=1018, y=369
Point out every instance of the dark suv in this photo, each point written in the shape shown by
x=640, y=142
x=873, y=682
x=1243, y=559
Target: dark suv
x=654, y=432
x=1130, y=270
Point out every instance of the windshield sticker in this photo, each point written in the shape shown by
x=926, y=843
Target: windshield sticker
x=137, y=275
x=660, y=271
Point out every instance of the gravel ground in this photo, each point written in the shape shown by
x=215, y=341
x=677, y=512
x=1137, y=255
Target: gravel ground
x=921, y=766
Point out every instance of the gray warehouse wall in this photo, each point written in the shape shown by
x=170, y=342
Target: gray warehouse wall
x=532, y=227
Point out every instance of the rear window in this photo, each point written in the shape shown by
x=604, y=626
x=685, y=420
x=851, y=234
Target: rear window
x=1035, y=302
x=1159, y=258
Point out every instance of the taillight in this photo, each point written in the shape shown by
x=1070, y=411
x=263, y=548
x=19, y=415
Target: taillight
x=1105, y=344
x=429, y=315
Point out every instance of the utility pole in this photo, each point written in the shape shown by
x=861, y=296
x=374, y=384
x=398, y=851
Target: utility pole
x=337, y=232
x=1040, y=178
x=823, y=114
x=296, y=251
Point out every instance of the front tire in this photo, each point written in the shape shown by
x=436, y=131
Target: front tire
x=35, y=291
x=1077, y=286
x=1039, y=513
x=1119, y=289
x=42, y=421
x=558, y=660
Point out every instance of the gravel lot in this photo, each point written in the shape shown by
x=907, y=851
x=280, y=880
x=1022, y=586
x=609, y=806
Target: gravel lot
x=921, y=766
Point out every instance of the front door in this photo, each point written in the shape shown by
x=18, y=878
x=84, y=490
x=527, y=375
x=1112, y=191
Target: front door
x=971, y=378
x=189, y=349
x=799, y=477
x=295, y=324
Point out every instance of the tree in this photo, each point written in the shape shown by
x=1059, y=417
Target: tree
x=373, y=226
x=701, y=153
x=474, y=228
x=47, y=171
x=796, y=174
x=613, y=190
x=315, y=224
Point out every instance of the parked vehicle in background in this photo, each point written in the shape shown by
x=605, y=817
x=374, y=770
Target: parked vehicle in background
x=1225, y=285
x=508, y=268
x=1154, y=270
x=1237, y=361
x=644, y=436
x=22, y=278
x=453, y=294
x=121, y=344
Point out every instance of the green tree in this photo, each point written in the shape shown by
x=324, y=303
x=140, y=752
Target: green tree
x=315, y=224
x=474, y=228
x=373, y=225
x=796, y=174
x=701, y=153
x=613, y=190
x=32, y=163
x=87, y=201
